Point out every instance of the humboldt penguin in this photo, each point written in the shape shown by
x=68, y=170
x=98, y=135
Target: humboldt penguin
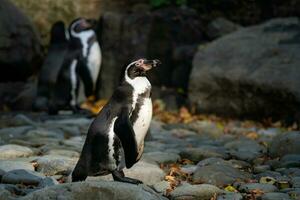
x=115, y=138
x=78, y=76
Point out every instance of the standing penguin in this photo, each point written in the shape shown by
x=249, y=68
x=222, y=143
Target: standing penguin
x=115, y=139
x=79, y=73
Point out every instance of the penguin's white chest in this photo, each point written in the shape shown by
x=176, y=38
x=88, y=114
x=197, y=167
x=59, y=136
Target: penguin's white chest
x=94, y=61
x=141, y=125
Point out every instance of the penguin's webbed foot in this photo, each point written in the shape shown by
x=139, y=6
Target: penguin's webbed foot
x=120, y=176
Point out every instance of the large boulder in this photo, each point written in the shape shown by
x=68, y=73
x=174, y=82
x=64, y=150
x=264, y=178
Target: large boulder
x=156, y=34
x=20, y=48
x=95, y=190
x=253, y=72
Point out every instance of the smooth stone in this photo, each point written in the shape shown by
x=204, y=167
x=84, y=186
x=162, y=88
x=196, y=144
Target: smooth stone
x=219, y=161
x=55, y=164
x=207, y=128
x=269, y=132
x=61, y=152
x=273, y=174
x=44, y=133
x=239, y=164
x=275, y=196
x=95, y=190
x=290, y=160
x=191, y=192
x=248, y=187
x=74, y=142
x=4, y=193
x=295, y=181
x=161, y=187
x=285, y=143
x=198, y=154
x=295, y=194
x=8, y=165
x=230, y=196
x=21, y=176
x=162, y=157
x=82, y=123
x=70, y=131
x=245, y=149
x=48, y=181
x=148, y=173
x=6, y=134
x=261, y=168
x=219, y=175
x=14, y=151
x=291, y=172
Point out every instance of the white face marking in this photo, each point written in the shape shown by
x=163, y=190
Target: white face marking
x=73, y=76
x=140, y=84
x=84, y=37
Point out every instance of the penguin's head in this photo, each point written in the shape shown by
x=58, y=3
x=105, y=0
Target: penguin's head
x=81, y=25
x=140, y=67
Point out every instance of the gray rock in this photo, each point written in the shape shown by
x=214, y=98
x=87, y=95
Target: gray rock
x=248, y=187
x=14, y=151
x=261, y=168
x=55, y=164
x=220, y=27
x=146, y=172
x=295, y=181
x=48, y=181
x=290, y=161
x=275, y=196
x=4, y=193
x=6, y=134
x=273, y=174
x=285, y=143
x=21, y=55
x=8, y=165
x=230, y=196
x=161, y=157
x=198, y=154
x=95, y=190
x=219, y=175
x=44, y=133
x=161, y=187
x=61, y=152
x=191, y=192
x=295, y=194
x=21, y=176
x=206, y=128
x=291, y=172
x=231, y=80
x=245, y=149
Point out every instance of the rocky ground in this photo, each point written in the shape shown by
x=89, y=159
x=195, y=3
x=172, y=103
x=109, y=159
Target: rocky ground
x=201, y=158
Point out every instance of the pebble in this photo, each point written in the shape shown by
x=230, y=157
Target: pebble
x=248, y=187
x=219, y=175
x=14, y=151
x=55, y=164
x=161, y=157
x=21, y=176
x=198, y=154
x=191, y=192
x=275, y=196
x=295, y=181
x=230, y=196
x=8, y=165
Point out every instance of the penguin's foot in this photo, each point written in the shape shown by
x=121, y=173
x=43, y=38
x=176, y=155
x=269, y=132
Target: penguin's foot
x=120, y=176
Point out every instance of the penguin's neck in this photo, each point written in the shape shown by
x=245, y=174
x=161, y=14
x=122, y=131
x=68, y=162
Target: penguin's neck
x=85, y=37
x=140, y=86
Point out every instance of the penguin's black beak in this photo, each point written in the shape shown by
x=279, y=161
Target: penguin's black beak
x=148, y=64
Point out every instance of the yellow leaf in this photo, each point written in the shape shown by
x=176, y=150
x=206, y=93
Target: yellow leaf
x=230, y=188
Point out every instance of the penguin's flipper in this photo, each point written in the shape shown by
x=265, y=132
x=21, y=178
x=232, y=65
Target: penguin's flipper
x=86, y=77
x=123, y=129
